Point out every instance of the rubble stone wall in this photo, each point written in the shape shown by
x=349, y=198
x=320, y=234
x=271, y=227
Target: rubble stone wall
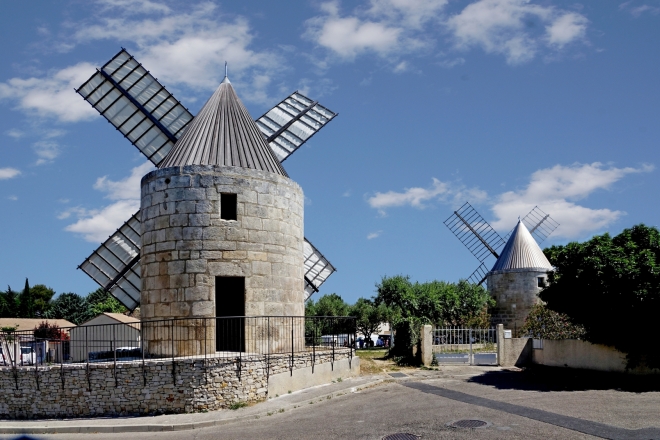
x=76, y=390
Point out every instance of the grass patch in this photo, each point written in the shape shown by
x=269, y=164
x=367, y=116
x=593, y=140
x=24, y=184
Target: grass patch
x=375, y=361
x=237, y=405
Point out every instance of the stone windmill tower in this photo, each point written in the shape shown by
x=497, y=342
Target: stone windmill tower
x=520, y=269
x=220, y=228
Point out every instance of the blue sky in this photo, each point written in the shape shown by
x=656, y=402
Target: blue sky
x=507, y=104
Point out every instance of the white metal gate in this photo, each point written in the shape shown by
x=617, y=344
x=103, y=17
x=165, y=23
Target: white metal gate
x=465, y=346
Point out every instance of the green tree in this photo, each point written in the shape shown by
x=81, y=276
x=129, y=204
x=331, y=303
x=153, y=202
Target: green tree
x=327, y=305
x=42, y=297
x=69, y=306
x=10, y=309
x=100, y=301
x=368, y=316
x=26, y=302
x=611, y=286
x=543, y=323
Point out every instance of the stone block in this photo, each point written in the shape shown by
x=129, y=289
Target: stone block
x=161, y=310
x=166, y=245
x=167, y=296
x=179, y=220
x=261, y=268
x=198, y=293
x=203, y=308
x=234, y=255
x=196, y=266
x=177, y=281
x=199, y=219
x=173, y=234
x=180, y=309
x=193, y=233
x=214, y=233
x=176, y=267
x=185, y=207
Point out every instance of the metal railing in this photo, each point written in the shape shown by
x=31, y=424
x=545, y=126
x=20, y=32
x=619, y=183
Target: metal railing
x=242, y=337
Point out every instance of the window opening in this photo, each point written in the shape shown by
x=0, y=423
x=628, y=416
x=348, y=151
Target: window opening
x=228, y=204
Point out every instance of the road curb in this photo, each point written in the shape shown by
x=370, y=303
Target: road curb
x=162, y=427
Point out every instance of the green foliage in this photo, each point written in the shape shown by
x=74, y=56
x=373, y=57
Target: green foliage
x=69, y=306
x=41, y=295
x=327, y=305
x=9, y=304
x=26, y=302
x=612, y=287
x=543, y=323
x=412, y=305
x=101, y=301
x=368, y=316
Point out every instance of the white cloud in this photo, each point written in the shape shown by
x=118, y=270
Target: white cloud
x=637, y=10
x=189, y=48
x=373, y=235
x=134, y=6
x=401, y=67
x=98, y=224
x=8, y=173
x=53, y=95
x=347, y=193
x=16, y=134
x=567, y=28
x=507, y=27
x=12, y=198
x=46, y=151
x=388, y=27
x=556, y=190
x=418, y=197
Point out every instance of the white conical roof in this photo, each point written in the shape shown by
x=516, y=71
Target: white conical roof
x=521, y=252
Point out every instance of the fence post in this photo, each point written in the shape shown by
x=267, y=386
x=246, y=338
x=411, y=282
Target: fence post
x=291, y=365
x=427, y=345
x=172, y=338
x=89, y=380
x=471, y=354
x=500, y=344
x=62, y=361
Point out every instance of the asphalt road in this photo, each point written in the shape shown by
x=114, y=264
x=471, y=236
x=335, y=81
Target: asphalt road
x=515, y=405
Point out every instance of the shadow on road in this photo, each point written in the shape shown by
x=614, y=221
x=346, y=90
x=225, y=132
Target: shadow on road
x=539, y=378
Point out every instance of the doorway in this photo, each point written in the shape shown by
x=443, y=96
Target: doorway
x=230, y=309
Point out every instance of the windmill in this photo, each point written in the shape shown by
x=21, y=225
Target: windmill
x=521, y=268
x=483, y=242
x=140, y=108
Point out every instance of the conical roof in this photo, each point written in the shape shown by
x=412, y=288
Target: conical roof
x=521, y=252
x=223, y=133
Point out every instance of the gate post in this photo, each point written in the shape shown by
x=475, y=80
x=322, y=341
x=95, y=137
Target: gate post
x=427, y=345
x=500, y=344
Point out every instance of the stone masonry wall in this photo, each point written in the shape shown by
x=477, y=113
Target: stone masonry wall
x=185, y=243
x=515, y=293
x=102, y=390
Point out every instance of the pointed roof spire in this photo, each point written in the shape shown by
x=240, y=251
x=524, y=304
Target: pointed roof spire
x=223, y=133
x=521, y=252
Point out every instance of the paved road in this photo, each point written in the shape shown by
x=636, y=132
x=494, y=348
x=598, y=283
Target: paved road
x=516, y=405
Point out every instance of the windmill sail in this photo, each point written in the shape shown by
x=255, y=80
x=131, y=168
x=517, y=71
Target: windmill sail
x=115, y=264
x=474, y=232
x=539, y=224
x=479, y=275
x=317, y=268
x=137, y=105
x=292, y=122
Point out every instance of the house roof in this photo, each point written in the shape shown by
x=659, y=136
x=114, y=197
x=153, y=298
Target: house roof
x=118, y=317
x=223, y=133
x=24, y=324
x=521, y=252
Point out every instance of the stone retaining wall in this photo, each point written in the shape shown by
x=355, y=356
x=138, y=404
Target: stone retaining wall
x=73, y=390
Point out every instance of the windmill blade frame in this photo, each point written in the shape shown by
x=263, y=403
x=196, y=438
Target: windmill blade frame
x=474, y=232
x=317, y=268
x=479, y=275
x=292, y=122
x=137, y=105
x=539, y=224
x=115, y=265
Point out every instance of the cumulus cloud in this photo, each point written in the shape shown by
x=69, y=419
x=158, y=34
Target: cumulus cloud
x=507, y=27
x=556, y=190
x=95, y=225
x=386, y=27
x=373, y=235
x=418, y=197
x=8, y=173
x=52, y=95
x=188, y=47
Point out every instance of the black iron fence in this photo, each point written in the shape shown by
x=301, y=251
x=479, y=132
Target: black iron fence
x=242, y=337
